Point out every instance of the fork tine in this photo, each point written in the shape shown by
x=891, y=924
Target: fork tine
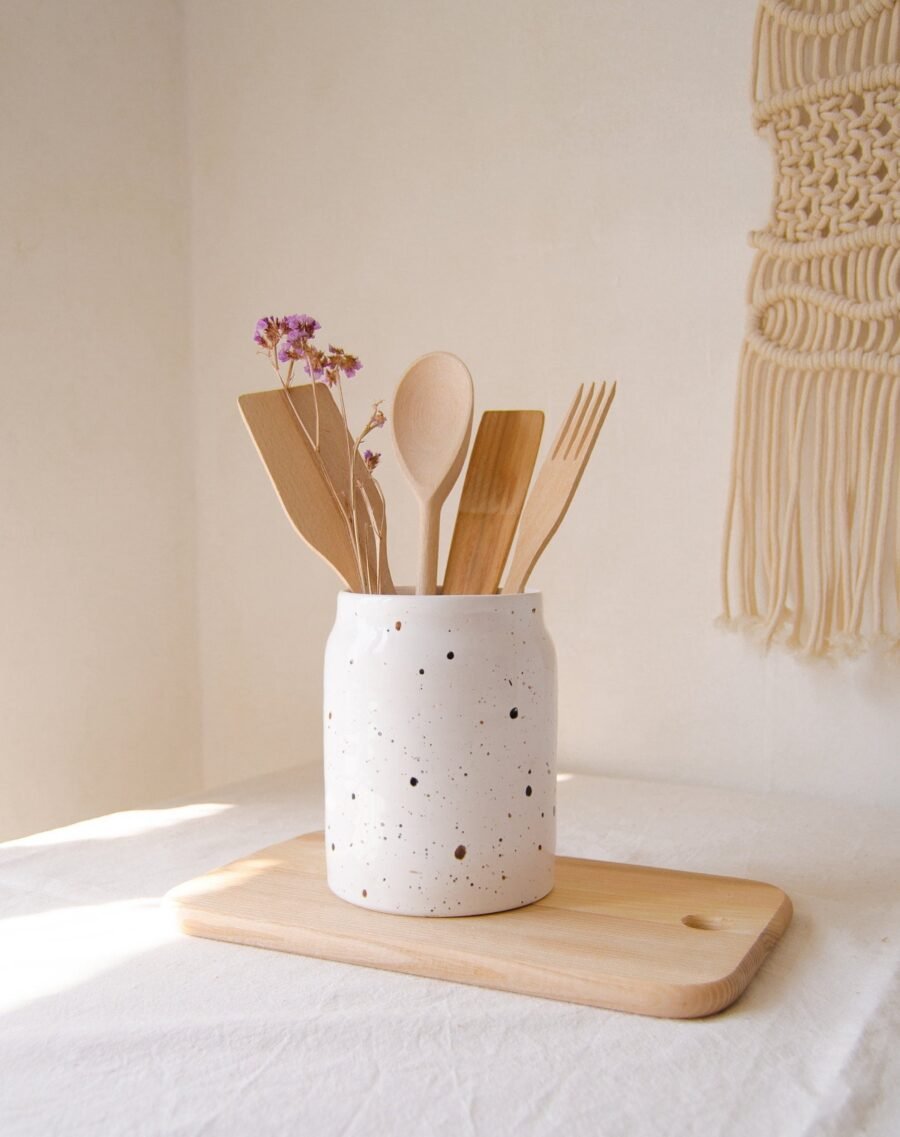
x=576, y=426
x=589, y=438
x=588, y=422
x=562, y=433
x=557, y=482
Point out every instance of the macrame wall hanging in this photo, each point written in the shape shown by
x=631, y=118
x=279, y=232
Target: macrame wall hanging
x=812, y=541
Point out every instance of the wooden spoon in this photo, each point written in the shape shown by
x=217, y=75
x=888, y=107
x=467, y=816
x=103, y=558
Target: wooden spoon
x=300, y=482
x=432, y=423
x=497, y=480
x=335, y=444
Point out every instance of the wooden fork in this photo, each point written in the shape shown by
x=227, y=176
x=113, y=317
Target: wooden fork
x=558, y=480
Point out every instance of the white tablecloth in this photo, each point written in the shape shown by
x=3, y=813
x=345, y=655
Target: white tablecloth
x=111, y=1023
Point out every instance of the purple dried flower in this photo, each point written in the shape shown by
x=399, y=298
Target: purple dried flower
x=371, y=459
x=376, y=419
x=269, y=331
x=340, y=360
x=288, y=336
x=314, y=361
x=300, y=327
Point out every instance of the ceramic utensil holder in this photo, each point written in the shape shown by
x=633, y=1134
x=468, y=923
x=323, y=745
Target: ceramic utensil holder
x=440, y=753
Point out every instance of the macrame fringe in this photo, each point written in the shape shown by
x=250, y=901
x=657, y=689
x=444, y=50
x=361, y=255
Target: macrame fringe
x=811, y=554
x=811, y=548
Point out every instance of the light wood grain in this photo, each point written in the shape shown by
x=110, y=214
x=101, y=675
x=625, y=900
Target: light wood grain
x=557, y=480
x=432, y=424
x=335, y=444
x=497, y=480
x=297, y=476
x=625, y=937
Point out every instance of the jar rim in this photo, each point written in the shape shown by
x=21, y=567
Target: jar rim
x=407, y=595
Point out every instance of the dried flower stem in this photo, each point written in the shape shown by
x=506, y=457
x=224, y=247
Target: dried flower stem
x=377, y=530
x=285, y=386
x=315, y=395
x=351, y=454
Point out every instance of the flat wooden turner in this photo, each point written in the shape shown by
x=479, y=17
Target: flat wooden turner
x=334, y=441
x=497, y=481
x=299, y=482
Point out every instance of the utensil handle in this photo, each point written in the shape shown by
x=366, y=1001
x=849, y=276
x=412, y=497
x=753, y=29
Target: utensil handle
x=429, y=537
x=520, y=569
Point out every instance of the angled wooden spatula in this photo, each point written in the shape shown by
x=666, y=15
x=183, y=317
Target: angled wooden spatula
x=497, y=480
x=558, y=480
x=299, y=481
x=335, y=444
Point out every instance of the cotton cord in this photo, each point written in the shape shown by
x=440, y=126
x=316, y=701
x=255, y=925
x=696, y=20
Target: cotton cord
x=811, y=553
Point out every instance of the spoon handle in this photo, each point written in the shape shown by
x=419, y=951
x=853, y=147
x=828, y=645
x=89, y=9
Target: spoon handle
x=429, y=536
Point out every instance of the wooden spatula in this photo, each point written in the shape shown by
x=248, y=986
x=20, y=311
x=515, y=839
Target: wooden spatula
x=334, y=441
x=299, y=481
x=558, y=480
x=497, y=479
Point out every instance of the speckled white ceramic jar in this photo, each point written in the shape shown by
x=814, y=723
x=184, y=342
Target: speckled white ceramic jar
x=440, y=753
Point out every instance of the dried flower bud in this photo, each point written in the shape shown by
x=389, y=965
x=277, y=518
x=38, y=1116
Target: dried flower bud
x=314, y=364
x=289, y=337
x=269, y=331
x=301, y=327
x=343, y=361
x=371, y=459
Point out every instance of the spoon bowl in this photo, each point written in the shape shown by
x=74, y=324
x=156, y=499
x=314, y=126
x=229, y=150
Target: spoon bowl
x=432, y=424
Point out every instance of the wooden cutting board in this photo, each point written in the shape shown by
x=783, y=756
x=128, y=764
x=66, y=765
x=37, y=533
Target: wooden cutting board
x=624, y=937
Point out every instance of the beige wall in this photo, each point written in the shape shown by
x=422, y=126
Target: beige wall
x=553, y=191
x=98, y=689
